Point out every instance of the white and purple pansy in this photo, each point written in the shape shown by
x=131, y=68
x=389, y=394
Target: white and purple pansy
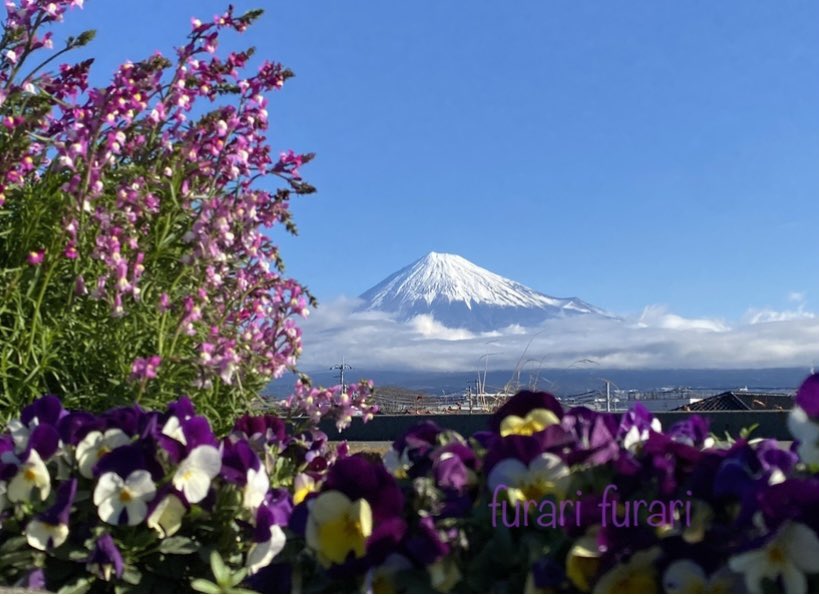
x=241, y=466
x=268, y=537
x=126, y=485
x=50, y=528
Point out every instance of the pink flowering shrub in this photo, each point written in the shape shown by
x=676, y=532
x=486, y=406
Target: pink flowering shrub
x=135, y=258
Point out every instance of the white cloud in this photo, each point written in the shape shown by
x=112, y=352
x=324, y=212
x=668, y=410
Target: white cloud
x=659, y=317
x=656, y=338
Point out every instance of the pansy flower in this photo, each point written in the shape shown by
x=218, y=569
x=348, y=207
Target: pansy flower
x=790, y=554
x=50, y=528
x=95, y=445
x=105, y=560
x=32, y=475
x=638, y=575
x=636, y=427
x=241, y=466
x=358, y=516
x=195, y=473
x=685, y=576
x=526, y=413
x=544, y=475
x=166, y=512
x=268, y=537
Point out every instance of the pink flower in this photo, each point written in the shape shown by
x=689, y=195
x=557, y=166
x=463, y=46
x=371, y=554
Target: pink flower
x=35, y=257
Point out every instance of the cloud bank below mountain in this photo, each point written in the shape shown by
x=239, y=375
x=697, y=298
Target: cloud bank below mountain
x=656, y=338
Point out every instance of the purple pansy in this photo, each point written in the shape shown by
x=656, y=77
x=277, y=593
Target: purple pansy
x=46, y=410
x=424, y=544
x=130, y=458
x=807, y=397
x=237, y=458
x=522, y=403
x=360, y=478
x=105, y=559
x=268, y=427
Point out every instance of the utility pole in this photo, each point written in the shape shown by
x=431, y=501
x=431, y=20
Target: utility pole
x=341, y=368
x=608, y=396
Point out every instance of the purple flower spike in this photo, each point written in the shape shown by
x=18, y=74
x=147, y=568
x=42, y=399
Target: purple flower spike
x=105, y=559
x=807, y=397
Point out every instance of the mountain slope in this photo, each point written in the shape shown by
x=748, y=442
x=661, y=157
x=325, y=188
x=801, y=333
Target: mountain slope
x=458, y=293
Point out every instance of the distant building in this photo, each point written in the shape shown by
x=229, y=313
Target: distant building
x=740, y=400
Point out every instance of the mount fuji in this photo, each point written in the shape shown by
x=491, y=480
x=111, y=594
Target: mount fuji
x=459, y=294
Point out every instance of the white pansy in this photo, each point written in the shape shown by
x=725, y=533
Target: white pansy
x=96, y=444
x=256, y=488
x=806, y=431
x=173, y=429
x=194, y=474
x=19, y=433
x=113, y=494
x=636, y=437
x=42, y=535
x=544, y=475
x=31, y=475
x=262, y=553
x=790, y=554
x=166, y=518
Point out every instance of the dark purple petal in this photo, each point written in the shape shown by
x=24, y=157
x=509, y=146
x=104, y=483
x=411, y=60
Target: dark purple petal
x=45, y=440
x=237, y=459
x=106, y=553
x=182, y=408
x=198, y=432
x=74, y=426
x=126, y=418
x=807, y=397
x=522, y=403
x=548, y=574
x=48, y=409
x=451, y=473
x=129, y=458
x=424, y=545
x=359, y=478
x=60, y=512
x=268, y=426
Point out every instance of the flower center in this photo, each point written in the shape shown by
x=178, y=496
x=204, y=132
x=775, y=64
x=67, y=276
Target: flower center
x=29, y=475
x=125, y=496
x=776, y=555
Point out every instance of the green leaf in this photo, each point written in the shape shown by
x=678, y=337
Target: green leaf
x=220, y=571
x=79, y=586
x=179, y=545
x=205, y=586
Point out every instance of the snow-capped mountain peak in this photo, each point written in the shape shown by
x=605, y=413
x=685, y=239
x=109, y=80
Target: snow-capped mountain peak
x=459, y=293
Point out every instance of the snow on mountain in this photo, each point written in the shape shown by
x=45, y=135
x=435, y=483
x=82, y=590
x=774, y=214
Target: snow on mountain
x=460, y=294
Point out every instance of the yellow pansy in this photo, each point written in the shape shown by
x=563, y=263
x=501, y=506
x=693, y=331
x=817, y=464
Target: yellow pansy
x=583, y=561
x=337, y=526
x=637, y=576
x=535, y=421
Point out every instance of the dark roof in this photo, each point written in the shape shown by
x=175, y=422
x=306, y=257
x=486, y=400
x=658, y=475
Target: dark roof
x=741, y=400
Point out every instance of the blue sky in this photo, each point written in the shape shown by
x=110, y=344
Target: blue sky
x=626, y=153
